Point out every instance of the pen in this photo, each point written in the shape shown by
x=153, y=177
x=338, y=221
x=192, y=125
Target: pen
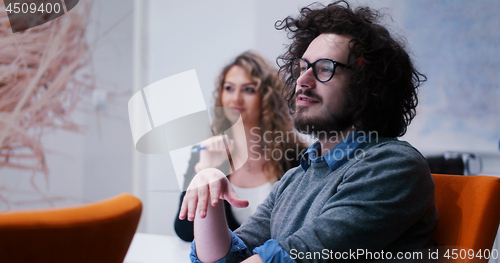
x=199, y=148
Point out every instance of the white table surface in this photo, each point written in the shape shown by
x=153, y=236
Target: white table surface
x=149, y=248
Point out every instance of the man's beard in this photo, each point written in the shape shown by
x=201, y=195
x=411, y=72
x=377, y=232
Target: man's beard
x=325, y=124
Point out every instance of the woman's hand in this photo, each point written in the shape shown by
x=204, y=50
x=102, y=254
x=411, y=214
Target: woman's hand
x=209, y=184
x=214, y=154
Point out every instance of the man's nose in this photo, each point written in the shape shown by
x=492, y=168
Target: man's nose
x=307, y=79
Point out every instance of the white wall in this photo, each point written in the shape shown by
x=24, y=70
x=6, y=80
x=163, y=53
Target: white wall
x=108, y=142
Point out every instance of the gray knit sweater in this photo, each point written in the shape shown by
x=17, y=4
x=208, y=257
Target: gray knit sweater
x=382, y=202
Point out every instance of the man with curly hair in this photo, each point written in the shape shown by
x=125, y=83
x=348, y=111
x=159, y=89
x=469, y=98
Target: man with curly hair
x=359, y=194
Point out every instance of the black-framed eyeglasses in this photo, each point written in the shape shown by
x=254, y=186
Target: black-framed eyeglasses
x=323, y=69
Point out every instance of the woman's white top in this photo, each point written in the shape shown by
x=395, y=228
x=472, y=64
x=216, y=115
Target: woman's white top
x=255, y=196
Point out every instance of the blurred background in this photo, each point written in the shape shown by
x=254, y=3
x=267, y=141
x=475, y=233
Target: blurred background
x=136, y=43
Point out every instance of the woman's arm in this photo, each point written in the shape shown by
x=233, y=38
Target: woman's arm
x=183, y=228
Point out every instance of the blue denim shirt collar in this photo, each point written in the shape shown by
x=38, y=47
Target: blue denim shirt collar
x=340, y=154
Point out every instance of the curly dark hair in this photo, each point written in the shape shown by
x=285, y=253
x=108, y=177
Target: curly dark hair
x=384, y=82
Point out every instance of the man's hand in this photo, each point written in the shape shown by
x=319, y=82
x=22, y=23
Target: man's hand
x=253, y=259
x=209, y=184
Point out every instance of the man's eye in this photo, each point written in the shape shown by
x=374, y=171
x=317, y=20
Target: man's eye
x=326, y=70
x=303, y=69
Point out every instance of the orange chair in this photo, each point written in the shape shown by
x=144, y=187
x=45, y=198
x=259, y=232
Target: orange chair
x=97, y=232
x=469, y=214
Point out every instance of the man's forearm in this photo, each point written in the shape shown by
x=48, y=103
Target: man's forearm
x=253, y=259
x=212, y=237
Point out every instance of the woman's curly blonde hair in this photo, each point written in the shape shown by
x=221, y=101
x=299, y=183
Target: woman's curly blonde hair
x=274, y=114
